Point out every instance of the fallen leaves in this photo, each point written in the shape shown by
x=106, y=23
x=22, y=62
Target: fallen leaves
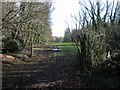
x=9, y=59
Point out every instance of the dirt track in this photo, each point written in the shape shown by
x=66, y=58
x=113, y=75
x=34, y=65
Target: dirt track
x=43, y=72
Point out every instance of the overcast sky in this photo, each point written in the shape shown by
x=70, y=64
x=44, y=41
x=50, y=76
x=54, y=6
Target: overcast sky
x=62, y=14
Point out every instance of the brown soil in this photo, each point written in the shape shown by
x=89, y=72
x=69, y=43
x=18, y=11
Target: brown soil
x=44, y=70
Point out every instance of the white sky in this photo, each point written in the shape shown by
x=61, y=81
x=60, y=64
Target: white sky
x=62, y=14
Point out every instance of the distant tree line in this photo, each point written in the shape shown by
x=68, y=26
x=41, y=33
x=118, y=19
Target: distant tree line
x=57, y=39
x=67, y=36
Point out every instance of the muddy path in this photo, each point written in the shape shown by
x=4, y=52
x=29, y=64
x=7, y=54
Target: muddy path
x=48, y=70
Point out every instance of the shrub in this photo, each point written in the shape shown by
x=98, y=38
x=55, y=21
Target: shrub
x=11, y=45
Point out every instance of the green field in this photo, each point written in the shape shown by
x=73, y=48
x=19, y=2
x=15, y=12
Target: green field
x=66, y=47
x=63, y=43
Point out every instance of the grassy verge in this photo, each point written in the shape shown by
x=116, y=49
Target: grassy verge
x=63, y=43
x=66, y=47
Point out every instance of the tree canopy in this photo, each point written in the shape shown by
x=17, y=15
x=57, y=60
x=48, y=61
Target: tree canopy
x=26, y=23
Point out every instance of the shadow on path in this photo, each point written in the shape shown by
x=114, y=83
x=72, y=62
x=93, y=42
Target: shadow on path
x=49, y=72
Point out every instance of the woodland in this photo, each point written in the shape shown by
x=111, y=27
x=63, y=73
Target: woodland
x=88, y=56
